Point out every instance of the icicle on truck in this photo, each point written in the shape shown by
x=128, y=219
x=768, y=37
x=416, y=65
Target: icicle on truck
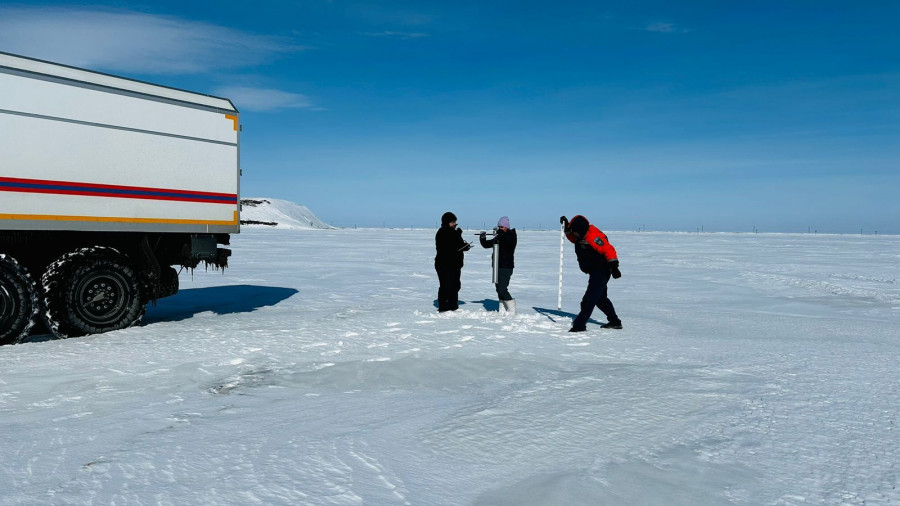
x=105, y=184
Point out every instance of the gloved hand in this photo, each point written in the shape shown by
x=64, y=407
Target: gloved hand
x=614, y=269
x=564, y=221
x=459, y=231
x=483, y=236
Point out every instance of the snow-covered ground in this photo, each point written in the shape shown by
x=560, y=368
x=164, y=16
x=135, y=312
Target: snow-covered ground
x=752, y=369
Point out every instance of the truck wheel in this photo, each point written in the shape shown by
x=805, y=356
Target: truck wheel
x=19, y=301
x=92, y=290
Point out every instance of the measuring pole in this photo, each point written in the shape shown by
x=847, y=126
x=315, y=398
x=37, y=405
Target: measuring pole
x=562, y=235
x=496, y=261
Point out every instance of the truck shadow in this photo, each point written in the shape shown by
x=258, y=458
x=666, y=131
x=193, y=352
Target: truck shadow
x=220, y=300
x=188, y=302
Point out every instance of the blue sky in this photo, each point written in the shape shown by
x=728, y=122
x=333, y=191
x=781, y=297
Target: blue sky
x=732, y=116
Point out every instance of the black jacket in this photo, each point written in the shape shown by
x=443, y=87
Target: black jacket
x=450, y=247
x=507, y=241
x=589, y=259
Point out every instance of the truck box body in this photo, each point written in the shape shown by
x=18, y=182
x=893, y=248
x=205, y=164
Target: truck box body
x=86, y=151
x=106, y=184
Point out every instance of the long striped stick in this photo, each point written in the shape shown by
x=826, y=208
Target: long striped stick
x=562, y=234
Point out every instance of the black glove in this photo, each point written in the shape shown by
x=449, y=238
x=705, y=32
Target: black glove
x=564, y=221
x=459, y=231
x=614, y=269
x=483, y=235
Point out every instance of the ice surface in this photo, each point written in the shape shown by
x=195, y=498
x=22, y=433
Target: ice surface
x=752, y=369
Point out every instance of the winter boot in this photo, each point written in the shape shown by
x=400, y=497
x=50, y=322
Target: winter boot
x=617, y=324
x=509, y=305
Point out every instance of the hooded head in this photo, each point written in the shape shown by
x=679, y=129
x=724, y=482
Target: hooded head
x=447, y=219
x=579, y=225
x=504, y=222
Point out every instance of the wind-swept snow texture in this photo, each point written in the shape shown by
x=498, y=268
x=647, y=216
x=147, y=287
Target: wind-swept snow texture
x=275, y=213
x=752, y=369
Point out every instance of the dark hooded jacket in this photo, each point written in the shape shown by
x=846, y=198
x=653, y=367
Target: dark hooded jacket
x=592, y=247
x=507, y=241
x=449, y=245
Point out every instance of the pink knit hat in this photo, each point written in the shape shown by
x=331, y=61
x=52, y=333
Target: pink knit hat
x=504, y=222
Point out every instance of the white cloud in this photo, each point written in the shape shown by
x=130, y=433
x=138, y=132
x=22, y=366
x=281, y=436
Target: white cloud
x=665, y=28
x=262, y=99
x=400, y=35
x=127, y=41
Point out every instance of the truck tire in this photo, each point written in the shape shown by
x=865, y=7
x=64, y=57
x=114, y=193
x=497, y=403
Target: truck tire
x=19, y=301
x=90, y=291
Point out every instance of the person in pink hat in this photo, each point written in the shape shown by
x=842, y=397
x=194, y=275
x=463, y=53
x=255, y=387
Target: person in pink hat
x=506, y=238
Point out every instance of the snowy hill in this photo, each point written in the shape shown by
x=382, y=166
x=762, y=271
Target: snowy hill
x=276, y=213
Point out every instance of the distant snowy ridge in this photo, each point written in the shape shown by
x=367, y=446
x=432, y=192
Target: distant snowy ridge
x=276, y=213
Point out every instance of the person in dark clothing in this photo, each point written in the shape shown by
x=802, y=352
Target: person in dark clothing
x=506, y=238
x=598, y=259
x=448, y=262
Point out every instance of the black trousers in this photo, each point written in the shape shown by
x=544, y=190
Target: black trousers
x=503, y=284
x=448, y=291
x=595, y=296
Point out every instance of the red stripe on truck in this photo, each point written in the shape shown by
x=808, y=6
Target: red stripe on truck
x=13, y=184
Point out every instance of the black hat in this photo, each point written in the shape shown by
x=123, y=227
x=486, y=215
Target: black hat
x=579, y=225
x=448, y=218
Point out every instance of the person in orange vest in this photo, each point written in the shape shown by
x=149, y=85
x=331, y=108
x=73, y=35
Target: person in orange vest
x=598, y=259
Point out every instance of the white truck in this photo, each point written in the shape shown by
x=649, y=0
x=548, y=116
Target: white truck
x=105, y=184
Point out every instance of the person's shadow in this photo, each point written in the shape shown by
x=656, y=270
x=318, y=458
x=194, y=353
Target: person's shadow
x=550, y=313
x=437, y=305
x=220, y=300
x=489, y=305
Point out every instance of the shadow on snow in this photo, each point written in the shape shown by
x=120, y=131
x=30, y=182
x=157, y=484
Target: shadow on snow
x=489, y=305
x=220, y=300
x=550, y=313
x=436, y=305
x=186, y=303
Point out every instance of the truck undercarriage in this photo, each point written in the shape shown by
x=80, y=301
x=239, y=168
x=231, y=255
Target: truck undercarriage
x=86, y=283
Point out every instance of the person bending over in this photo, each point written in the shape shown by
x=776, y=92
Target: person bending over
x=598, y=259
